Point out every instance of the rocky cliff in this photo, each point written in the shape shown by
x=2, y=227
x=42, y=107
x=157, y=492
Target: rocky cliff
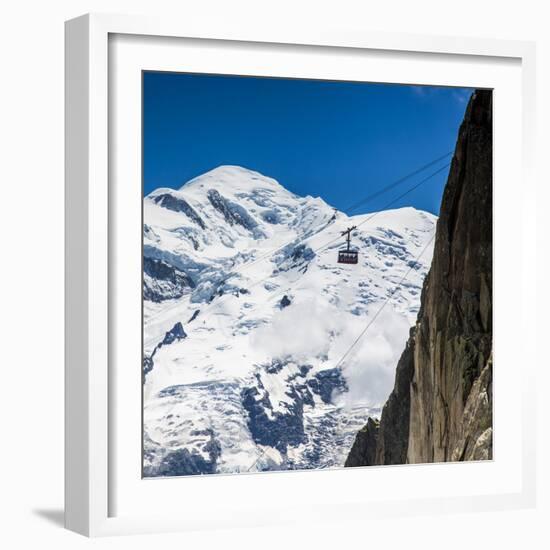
x=441, y=406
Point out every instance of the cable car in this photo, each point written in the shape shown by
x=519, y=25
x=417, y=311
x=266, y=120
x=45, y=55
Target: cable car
x=347, y=255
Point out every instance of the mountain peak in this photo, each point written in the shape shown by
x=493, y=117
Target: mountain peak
x=235, y=178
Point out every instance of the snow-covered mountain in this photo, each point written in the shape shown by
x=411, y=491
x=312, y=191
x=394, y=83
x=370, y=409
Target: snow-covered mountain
x=247, y=314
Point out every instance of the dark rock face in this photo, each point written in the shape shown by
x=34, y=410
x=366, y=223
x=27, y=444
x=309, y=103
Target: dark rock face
x=394, y=423
x=175, y=334
x=285, y=302
x=325, y=382
x=233, y=213
x=454, y=331
x=177, y=204
x=194, y=316
x=276, y=429
x=283, y=426
x=363, y=451
x=182, y=462
x=147, y=365
x=163, y=282
x=441, y=405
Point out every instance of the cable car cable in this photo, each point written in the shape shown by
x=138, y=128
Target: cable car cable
x=369, y=324
x=389, y=187
x=386, y=301
x=391, y=203
x=241, y=268
x=361, y=202
x=369, y=218
x=318, y=249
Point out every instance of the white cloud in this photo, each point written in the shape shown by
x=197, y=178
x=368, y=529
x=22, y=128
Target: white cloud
x=301, y=330
x=306, y=330
x=370, y=367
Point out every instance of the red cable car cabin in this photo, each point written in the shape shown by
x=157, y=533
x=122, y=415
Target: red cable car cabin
x=348, y=256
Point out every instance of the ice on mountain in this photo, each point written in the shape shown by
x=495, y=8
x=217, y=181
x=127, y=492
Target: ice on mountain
x=271, y=216
x=197, y=238
x=181, y=260
x=182, y=462
x=254, y=379
x=196, y=428
x=293, y=257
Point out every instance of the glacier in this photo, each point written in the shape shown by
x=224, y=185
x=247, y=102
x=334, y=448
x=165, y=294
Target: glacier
x=247, y=314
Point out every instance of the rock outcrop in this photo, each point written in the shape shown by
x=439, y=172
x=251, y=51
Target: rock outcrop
x=363, y=451
x=441, y=406
x=175, y=334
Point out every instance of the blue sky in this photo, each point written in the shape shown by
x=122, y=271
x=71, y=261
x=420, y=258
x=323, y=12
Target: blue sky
x=338, y=140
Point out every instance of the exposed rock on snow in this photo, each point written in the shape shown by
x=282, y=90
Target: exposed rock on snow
x=177, y=204
x=175, y=334
x=285, y=302
x=161, y=281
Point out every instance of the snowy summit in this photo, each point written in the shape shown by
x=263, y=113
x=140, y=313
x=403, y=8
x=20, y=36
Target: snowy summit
x=247, y=315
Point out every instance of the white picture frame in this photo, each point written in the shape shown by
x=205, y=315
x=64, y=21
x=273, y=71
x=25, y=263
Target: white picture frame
x=93, y=437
